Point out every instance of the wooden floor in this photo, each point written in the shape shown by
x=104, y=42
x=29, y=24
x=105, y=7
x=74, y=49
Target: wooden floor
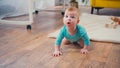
x=20, y=48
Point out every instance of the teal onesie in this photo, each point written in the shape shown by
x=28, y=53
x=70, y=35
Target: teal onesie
x=80, y=34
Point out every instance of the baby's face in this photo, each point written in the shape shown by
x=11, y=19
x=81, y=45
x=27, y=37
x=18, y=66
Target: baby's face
x=70, y=18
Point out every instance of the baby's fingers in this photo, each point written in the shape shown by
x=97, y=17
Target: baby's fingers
x=81, y=52
x=55, y=55
x=60, y=53
x=84, y=52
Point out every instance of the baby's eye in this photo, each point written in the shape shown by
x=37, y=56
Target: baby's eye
x=66, y=16
x=72, y=16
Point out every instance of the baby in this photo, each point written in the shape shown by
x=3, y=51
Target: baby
x=71, y=32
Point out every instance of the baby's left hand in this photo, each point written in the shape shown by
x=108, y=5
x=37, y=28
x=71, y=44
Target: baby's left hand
x=84, y=51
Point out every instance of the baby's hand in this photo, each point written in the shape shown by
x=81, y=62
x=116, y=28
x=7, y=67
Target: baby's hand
x=84, y=51
x=57, y=53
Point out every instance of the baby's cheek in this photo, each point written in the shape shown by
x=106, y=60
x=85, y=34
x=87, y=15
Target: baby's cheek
x=73, y=21
x=65, y=19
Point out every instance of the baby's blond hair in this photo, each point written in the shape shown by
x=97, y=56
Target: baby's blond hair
x=71, y=8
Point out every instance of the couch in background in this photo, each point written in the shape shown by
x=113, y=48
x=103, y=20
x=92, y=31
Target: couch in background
x=98, y=4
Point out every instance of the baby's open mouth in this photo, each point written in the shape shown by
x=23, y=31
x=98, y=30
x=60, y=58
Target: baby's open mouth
x=68, y=22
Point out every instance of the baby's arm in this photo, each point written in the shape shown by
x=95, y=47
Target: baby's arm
x=58, y=41
x=86, y=44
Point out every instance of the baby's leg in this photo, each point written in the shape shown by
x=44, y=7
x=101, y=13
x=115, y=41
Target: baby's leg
x=81, y=43
x=65, y=41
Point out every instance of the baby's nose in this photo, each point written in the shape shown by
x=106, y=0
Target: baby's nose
x=69, y=19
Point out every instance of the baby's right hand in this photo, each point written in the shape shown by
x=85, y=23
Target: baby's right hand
x=57, y=53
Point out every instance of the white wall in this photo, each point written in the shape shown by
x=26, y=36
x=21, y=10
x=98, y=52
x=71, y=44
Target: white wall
x=44, y=4
x=20, y=7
